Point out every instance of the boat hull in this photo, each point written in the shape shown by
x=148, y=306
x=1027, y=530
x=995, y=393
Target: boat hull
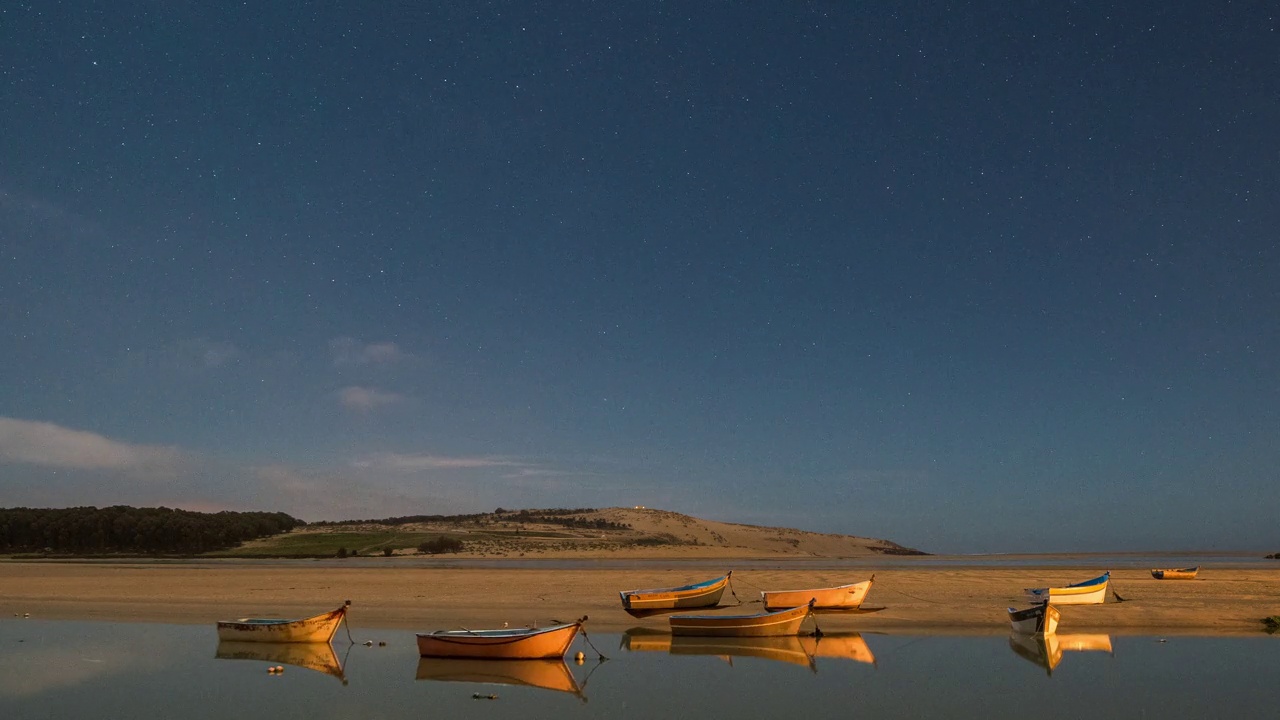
x=316, y=629
x=1180, y=574
x=1089, y=592
x=698, y=595
x=547, y=673
x=1038, y=620
x=782, y=622
x=844, y=597
x=514, y=644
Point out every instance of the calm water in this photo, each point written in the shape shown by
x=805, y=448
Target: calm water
x=119, y=670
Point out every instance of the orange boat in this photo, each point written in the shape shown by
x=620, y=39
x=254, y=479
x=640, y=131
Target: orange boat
x=319, y=657
x=697, y=595
x=844, y=597
x=782, y=622
x=504, y=644
x=318, y=628
x=1180, y=574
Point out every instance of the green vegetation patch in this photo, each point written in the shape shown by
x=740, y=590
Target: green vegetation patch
x=328, y=544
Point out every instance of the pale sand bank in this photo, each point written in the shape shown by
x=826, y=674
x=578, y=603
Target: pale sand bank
x=917, y=600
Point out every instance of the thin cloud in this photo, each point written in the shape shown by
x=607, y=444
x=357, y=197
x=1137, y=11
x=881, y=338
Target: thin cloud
x=350, y=351
x=418, y=463
x=209, y=353
x=365, y=399
x=49, y=445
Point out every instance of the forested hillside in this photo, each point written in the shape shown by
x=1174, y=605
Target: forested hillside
x=123, y=529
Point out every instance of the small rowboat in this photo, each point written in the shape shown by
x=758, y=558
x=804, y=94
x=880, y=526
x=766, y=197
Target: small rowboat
x=1038, y=620
x=782, y=622
x=844, y=597
x=790, y=649
x=319, y=628
x=504, y=644
x=1089, y=592
x=1182, y=574
x=697, y=595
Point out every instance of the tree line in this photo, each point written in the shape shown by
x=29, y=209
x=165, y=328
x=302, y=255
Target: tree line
x=124, y=529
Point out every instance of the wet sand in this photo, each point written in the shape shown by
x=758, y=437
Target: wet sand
x=934, y=600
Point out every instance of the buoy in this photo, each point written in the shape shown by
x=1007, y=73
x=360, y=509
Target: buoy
x=368, y=643
x=579, y=657
x=279, y=668
x=382, y=643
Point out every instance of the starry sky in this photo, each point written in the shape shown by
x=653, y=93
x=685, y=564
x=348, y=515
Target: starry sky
x=967, y=276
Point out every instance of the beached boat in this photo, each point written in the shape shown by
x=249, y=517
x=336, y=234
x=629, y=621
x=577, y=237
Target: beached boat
x=1037, y=620
x=548, y=674
x=781, y=622
x=319, y=628
x=319, y=657
x=504, y=644
x=697, y=595
x=1179, y=574
x=844, y=597
x=1089, y=592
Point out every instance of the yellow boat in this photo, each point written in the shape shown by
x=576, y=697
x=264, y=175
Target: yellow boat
x=1046, y=650
x=316, y=629
x=1088, y=592
x=1178, y=574
x=790, y=649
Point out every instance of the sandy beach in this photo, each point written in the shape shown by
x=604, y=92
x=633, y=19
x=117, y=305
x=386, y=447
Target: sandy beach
x=938, y=600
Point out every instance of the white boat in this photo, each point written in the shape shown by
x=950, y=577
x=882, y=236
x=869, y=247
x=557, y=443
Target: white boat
x=1088, y=592
x=1037, y=620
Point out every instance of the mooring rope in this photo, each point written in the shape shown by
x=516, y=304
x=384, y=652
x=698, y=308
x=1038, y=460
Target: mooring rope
x=583, y=630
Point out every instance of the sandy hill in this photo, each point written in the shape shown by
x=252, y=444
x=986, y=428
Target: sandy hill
x=619, y=532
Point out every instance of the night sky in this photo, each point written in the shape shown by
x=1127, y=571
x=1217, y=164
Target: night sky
x=975, y=278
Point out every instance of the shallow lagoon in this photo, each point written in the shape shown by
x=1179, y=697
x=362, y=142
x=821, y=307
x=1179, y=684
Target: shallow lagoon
x=128, y=670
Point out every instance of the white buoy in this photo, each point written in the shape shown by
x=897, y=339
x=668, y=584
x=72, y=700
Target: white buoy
x=579, y=657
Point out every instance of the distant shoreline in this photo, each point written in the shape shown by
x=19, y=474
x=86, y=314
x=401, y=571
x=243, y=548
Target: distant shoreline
x=955, y=598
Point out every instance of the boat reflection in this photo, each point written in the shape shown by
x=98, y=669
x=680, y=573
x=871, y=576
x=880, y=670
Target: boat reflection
x=791, y=649
x=319, y=657
x=551, y=674
x=1047, y=651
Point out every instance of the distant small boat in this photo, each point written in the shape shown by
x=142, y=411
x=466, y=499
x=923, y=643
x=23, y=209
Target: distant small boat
x=504, y=644
x=782, y=622
x=1088, y=592
x=319, y=657
x=844, y=597
x=697, y=595
x=549, y=674
x=1037, y=620
x=1181, y=574
x=318, y=629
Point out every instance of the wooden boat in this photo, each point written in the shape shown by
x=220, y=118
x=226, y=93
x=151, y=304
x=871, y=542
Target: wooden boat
x=781, y=622
x=319, y=628
x=318, y=657
x=841, y=646
x=697, y=595
x=548, y=674
x=1036, y=620
x=1179, y=574
x=504, y=644
x=1088, y=592
x=844, y=597
x=1085, y=642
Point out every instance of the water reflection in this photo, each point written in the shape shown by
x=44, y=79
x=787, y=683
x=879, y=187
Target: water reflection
x=319, y=657
x=545, y=674
x=791, y=649
x=1046, y=651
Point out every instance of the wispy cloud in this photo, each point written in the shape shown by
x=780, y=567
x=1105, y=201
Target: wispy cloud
x=365, y=399
x=350, y=351
x=418, y=463
x=49, y=445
